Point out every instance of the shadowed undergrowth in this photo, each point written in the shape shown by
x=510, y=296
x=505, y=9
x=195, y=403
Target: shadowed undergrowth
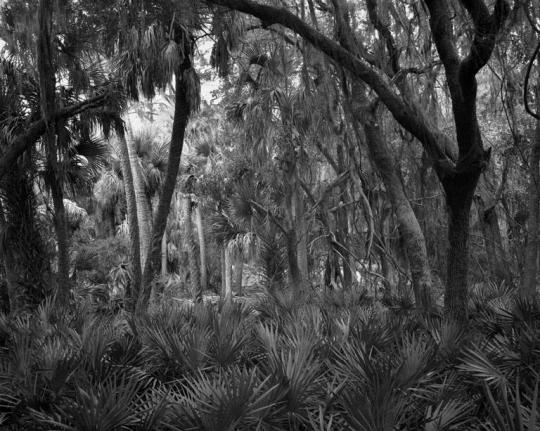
x=273, y=365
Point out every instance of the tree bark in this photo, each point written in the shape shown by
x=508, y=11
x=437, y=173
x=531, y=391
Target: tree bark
x=182, y=110
x=227, y=262
x=24, y=258
x=238, y=271
x=295, y=277
x=301, y=228
x=342, y=222
x=489, y=224
x=191, y=249
x=410, y=230
x=202, y=247
x=47, y=87
x=144, y=213
x=530, y=270
x=164, y=271
x=459, y=185
x=134, y=239
x=223, y=272
x=459, y=196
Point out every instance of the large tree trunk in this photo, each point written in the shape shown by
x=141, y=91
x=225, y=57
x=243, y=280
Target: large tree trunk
x=530, y=269
x=202, y=247
x=134, y=239
x=24, y=258
x=47, y=87
x=181, y=115
x=410, y=230
x=459, y=197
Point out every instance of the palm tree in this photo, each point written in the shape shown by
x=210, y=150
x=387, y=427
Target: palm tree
x=148, y=157
x=109, y=194
x=133, y=218
x=54, y=55
x=186, y=100
x=153, y=43
x=135, y=147
x=191, y=246
x=202, y=137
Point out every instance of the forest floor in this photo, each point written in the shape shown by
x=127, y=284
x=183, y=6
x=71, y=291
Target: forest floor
x=329, y=362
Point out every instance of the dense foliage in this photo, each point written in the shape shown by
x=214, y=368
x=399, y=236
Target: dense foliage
x=272, y=364
x=240, y=214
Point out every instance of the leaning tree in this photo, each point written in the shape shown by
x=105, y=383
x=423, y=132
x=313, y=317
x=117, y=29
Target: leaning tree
x=458, y=174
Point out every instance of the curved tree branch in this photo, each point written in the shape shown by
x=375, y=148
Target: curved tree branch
x=443, y=35
x=526, y=84
x=486, y=29
x=36, y=129
x=385, y=33
x=406, y=114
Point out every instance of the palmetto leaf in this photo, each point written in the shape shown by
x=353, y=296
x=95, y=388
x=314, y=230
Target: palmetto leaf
x=237, y=399
x=171, y=56
x=107, y=406
x=448, y=336
x=294, y=367
x=170, y=351
x=449, y=415
x=509, y=413
x=415, y=354
x=476, y=363
x=9, y=399
x=151, y=409
x=230, y=335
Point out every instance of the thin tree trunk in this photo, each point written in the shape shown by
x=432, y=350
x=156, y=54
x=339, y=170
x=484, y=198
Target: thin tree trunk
x=134, y=239
x=496, y=256
x=351, y=264
x=181, y=116
x=62, y=239
x=164, y=271
x=530, y=270
x=295, y=277
x=301, y=228
x=227, y=294
x=202, y=247
x=47, y=87
x=192, y=249
x=342, y=224
x=238, y=271
x=223, y=272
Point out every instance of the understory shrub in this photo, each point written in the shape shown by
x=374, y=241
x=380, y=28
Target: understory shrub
x=275, y=365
